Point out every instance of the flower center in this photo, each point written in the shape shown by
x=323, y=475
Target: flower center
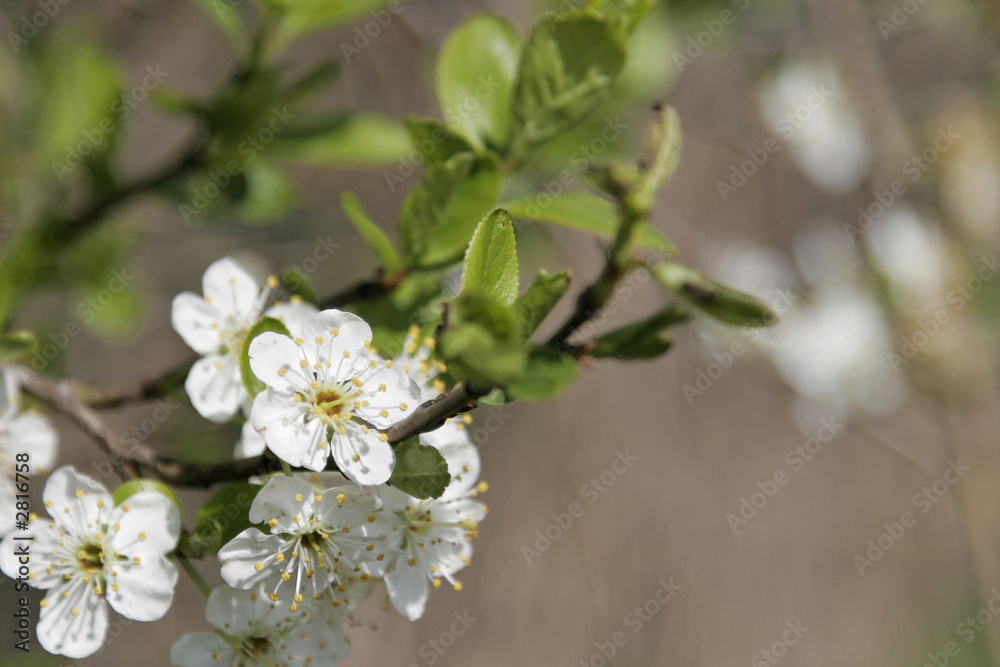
x=330, y=402
x=257, y=650
x=91, y=556
x=233, y=337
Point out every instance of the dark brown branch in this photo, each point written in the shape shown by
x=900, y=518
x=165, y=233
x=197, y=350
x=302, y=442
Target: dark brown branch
x=432, y=414
x=61, y=396
x=113, y=396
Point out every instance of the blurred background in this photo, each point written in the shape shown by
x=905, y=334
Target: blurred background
x=841, y=162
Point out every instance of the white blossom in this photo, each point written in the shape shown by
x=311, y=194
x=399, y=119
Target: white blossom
x=22, y=432
x=327, y=394
x=215, y=326
x=252, y=631
x=315, y=540
x=91, y=552
x=434, y=537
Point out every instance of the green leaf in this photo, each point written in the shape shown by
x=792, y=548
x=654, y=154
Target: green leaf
x=17, y=345
x=548, y=373
x=305, y=16
x=82, y=106
x=483, y=342
x=723, y=303
x=114, y=307
x=640, y=340
x=226, y=15
x=627, y=12
x=540, y=298
x=253, y=385
x=664, y=140
x=140, y=485
x=476, y=74
x=362, y=140
x=241, y=110
x=495, y=397
x=223, y=516
x=491, y=260
x=441, y=213
x=310, y=82
x=6, y=289
x=416, y=300
x=297, y=282
x=569, y=66
x=420, y=470
x=371, y=232
x=586, y=212
x=435, y=140
x=268, y=194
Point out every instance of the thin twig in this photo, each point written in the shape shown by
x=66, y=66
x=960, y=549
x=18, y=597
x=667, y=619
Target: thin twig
x=61, y=396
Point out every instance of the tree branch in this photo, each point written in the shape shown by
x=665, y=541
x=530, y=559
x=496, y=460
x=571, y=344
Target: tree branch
x=61, y=396
x=433, y=413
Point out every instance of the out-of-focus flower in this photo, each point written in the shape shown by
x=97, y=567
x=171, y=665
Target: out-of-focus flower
x=252, y=631
x=21, y=432
x=810, y=108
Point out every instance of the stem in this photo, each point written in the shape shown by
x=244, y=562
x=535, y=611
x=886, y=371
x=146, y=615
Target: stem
x=286, y=468
x=193, y=573
x=62, y=398
x=70, y=228
x=433, y=413
x=114, y=396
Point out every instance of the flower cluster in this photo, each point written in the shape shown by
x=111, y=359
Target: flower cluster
x=322, y=545
x=326, y=546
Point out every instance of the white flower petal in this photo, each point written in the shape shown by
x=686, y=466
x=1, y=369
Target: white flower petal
x=150, y=523
x=315, y=643
x=242, y=553
x=282, y=498
x=250, y=444
x=77, y=503
x=231, y=289
x=198, y=649
x=276, y=410
x=32, y=432
x=145, y=589
x=408, y=588
x=7, y=512
x=312, y=444
x=281, y=421
x=197, y=322
x=275, y=360
x=10, y=391
x=293, y=315
x=333, y=332
x=78, y=635
x=400, y=390
x=375, y=457
x=215, y=387
x=238, y=612
x=46, y=541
